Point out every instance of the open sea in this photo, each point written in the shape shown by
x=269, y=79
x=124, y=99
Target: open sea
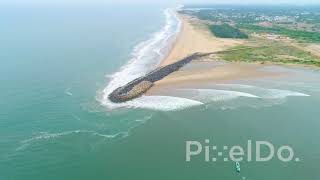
x=59, y=63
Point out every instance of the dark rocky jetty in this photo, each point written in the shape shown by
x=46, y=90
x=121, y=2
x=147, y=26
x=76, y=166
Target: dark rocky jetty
x=140, y=85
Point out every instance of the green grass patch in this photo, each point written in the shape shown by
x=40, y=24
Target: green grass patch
x=227, y=31
x=276, y=53
x=304, y=36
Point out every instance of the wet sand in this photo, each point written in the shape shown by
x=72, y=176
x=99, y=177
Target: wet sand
x=195, y=37
x=200, y=74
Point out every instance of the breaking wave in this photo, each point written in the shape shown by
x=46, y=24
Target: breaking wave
x=209, y=95
x=145, y=56
x=279, y=93
x=162, y=103
x=225, y=98
x=148, y=54
x=265, y=93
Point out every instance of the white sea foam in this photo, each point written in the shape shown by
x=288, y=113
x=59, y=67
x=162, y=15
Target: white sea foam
x=279, y=93
x=265, y=93
x=209, y=95
x=242, y=86
x=68, y=92
x=148, y=54
x=162, y=103
x=145, y=56
x=265, y=97
x=46, y=135
x=43, y=136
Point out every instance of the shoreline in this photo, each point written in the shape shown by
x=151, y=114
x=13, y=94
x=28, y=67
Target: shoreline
x=192, y=39
x=195, y=38
x=141, y=85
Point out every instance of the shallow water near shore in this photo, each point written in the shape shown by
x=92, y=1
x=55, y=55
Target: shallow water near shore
x=53, y=124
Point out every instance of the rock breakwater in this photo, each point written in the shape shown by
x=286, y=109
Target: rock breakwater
x=139, y=86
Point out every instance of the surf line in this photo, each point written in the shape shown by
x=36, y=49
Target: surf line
x=140, y=85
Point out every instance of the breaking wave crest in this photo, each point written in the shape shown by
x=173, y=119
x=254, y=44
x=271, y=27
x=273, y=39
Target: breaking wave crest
x=225, y=98
x=148, y=54
x=145, y=56
x=162, y=103
x=208, y=95
x=265, y=93
x=278, y=93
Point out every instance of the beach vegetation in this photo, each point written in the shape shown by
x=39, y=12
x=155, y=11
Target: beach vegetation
x=272, y=52
x=303, y=36
x=227, y=31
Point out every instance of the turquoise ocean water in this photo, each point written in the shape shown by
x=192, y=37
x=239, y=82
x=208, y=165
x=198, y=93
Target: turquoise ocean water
x=58, y=64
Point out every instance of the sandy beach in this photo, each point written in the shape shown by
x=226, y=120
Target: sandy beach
x=195, y=37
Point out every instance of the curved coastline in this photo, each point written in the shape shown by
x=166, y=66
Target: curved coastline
x=186, y=44
x=147, y=54
x=187, y=39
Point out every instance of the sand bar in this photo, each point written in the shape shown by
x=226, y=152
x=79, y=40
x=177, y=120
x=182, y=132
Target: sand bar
x=195, y=37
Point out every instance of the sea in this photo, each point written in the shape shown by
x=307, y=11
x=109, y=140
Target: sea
x=58, y=64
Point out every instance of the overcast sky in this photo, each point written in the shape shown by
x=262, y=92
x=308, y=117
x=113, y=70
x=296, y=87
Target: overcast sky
x=300, y=2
